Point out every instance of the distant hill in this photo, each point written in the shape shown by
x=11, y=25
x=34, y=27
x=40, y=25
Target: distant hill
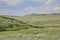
x=34, y=14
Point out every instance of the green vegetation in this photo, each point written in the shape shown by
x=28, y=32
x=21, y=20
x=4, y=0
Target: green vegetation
x=30, y=27
x=11, y=24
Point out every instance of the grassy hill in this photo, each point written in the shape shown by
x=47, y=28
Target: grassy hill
x=30, y=27
x=46, y=20
x=29, y=21
x=11, y=24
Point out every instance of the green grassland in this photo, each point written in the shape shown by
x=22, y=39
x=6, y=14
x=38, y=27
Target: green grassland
x=30, y=27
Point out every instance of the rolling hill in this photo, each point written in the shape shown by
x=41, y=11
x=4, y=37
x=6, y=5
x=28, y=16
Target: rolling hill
x=46, y=20
x=30, y=27
x=9, y=23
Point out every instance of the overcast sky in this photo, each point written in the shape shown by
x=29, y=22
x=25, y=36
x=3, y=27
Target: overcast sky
x=23, y=7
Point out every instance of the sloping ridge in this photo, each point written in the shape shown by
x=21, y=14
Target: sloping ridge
x=7, y=24
x=12, y=19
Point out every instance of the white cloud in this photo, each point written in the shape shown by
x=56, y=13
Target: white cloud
x=11, y=2
x=29, y=9
x=6, y=12
x=56, y=8
x=37, y=9
x=39, y=1
x=44, y=1
x=36, y=0
x=48, y=1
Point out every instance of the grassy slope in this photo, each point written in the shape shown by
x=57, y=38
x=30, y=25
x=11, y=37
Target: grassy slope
x=11, y=24
x=51, y=30
x=41, y=20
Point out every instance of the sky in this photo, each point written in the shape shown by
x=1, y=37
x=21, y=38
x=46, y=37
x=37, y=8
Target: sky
x=24, y=7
